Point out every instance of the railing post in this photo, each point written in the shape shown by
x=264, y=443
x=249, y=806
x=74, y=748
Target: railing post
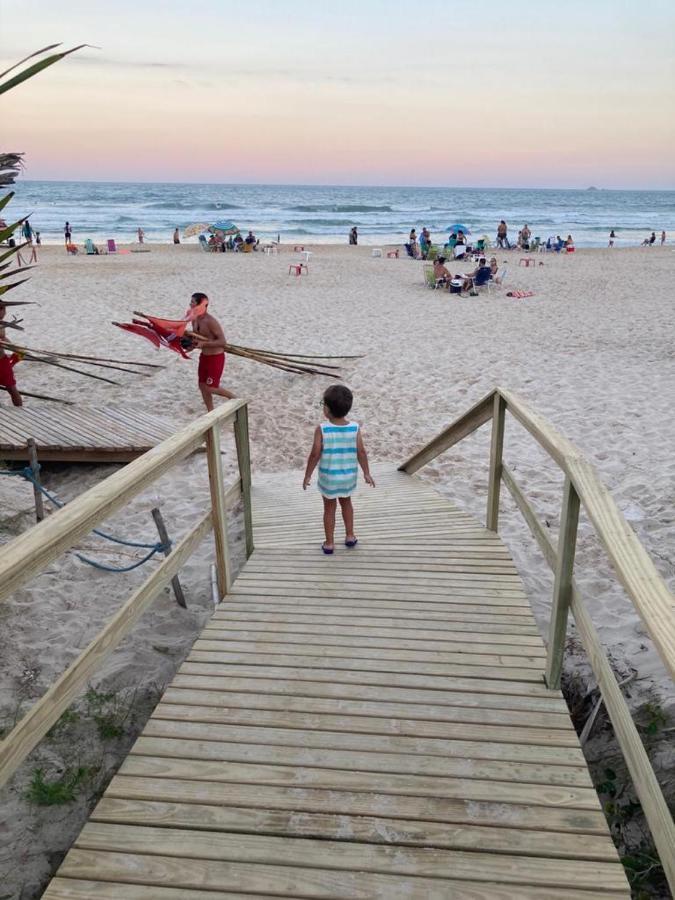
x=244, y=457
x=495, y=477
x=218, y=507
x=562, y=587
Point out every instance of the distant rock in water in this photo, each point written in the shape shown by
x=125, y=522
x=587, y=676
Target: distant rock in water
x=592, y=188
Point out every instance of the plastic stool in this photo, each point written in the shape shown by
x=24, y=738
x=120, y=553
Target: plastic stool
x=298, y=249
x=298, y=268
x=307, y=254
x=376, y=251
x=392, y=254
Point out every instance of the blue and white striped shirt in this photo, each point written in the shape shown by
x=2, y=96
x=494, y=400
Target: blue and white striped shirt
x=338, y=466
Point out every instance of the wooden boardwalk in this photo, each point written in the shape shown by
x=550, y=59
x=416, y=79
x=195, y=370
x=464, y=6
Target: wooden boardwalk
x=79, y=433
x=371, y=725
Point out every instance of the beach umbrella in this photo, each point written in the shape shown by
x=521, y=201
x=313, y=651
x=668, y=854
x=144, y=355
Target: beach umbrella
x=191, y=230
x=458, y=227
x=224, y=226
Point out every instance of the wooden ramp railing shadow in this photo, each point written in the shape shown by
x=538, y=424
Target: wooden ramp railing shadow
x=371, y=725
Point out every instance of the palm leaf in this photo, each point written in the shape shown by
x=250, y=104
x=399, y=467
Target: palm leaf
x=8, y=287
x=36, y=68
x=6, y=233
x=5, y=200
x=26, y=58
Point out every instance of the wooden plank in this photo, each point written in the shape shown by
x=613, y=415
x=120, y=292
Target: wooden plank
x=234, y=714
x=348, y=856
x=496, y=449
x=366, y=827
x=340, y=740
x=379, y=803
x=271, y=664
x=364, y=686
x=84, y=889
x=450, y=610
x=458, y=596
x=244, y=458
x=293, y=881
x=539, y=774
x=349, y=699
x=562, y=587
x=35, y=724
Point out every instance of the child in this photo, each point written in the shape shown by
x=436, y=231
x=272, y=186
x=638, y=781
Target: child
x=337, y=448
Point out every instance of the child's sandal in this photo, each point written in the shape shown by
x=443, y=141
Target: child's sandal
x=327, y=550
x=351, y=544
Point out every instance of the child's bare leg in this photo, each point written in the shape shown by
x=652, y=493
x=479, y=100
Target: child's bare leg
x=347, y=517
x=17, y=399
x=329, y=507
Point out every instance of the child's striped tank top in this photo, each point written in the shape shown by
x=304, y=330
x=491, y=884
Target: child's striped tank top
x=338, y=467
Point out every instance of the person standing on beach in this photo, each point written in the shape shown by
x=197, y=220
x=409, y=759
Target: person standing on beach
x=502, y=239
x=7, y=363
x=141, y=235
x=663, y=238
x=353, y=237
x=208, y=336
x=336, y=450
x=612, y=238
x=176, y=236
x=68, y=233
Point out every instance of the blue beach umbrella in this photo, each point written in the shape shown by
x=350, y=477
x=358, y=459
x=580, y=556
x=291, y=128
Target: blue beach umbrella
x=458, y=227
x=225, y=226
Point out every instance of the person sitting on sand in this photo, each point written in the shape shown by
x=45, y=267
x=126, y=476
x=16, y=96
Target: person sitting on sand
x=569, y=242
x=7, y=363
x=252, y=240
x=441, y=273
x=480, y=276
x=208, y=336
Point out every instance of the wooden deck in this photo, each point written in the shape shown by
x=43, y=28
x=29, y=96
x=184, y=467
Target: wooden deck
x=371, y=725
x=79, y=433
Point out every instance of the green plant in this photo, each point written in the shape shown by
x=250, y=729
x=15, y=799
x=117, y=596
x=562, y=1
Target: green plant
x=59, y=791
x=69, y=717
x=110, y=711
x=656, y=718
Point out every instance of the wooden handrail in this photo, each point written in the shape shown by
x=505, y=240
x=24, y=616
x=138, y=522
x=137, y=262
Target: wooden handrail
x=634, y=568
x=478, y=415
x=27, y=554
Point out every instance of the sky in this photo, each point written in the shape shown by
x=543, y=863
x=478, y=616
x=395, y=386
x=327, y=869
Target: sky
x=517, y=94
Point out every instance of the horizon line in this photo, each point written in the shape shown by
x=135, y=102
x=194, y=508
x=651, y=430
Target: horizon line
x=591, y=188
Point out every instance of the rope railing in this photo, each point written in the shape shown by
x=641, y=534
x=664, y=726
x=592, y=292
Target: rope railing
x=633, y=566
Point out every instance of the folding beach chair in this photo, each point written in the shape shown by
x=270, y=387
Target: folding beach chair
x=112, y=246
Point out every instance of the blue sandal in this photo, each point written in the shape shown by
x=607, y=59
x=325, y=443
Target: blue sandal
x=351, y=544
x=327, y=550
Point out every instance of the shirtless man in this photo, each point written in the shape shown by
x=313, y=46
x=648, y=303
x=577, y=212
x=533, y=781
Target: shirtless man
x=7, y=366
x=207, y=333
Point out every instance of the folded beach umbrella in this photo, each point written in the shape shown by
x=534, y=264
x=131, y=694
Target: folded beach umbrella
x=225, y=226
x=198, y=228
x=458, y=227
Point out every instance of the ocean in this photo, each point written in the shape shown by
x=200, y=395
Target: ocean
x=318, y=214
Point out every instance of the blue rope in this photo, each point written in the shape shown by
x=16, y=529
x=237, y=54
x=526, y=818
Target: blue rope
x=157, y=547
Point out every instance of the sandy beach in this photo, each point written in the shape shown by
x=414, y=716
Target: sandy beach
x=592, y=351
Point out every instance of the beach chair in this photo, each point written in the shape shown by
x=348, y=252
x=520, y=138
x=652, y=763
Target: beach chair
x=459, y=250
x=112, y=246
x=89, y=248
x=203, y=243
x=430, y=279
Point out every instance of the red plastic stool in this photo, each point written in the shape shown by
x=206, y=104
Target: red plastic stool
x=298, y=268
x=392, y=254
x=298, y=249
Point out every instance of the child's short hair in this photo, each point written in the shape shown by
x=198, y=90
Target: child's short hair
x=338, y=398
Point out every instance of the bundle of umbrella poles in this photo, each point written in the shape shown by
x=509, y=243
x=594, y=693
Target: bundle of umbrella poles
x=170, y=333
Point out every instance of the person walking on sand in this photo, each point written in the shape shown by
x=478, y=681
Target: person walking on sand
x=176, y=236
x=7, y=363
x=336, y=449
x=68, y=233
x=208, y=336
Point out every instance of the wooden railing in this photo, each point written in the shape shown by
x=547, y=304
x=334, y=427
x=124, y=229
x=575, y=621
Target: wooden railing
x=635, y=570
x=27, y=555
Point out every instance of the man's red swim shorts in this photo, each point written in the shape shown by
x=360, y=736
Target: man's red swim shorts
x=211, y=369
x=7, y=372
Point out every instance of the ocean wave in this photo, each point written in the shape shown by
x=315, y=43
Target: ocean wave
x=179, y=205
x=338, y=208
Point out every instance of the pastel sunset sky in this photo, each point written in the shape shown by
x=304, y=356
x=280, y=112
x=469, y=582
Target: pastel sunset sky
x=458, y=93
